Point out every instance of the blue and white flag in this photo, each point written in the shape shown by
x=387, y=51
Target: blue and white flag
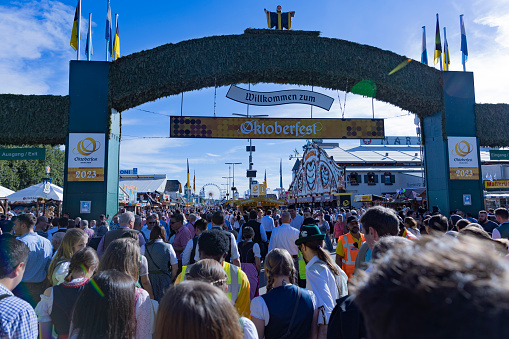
x=424, y=54
x=89, y=49
x=109, y=36
x=464, y=48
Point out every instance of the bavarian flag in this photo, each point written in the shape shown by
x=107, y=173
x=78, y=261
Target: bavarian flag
x=75, y=28
x=116, y=43
x=438, y=44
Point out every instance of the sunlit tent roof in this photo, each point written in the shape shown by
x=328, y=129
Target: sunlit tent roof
x=5, y=191
x=34, y=192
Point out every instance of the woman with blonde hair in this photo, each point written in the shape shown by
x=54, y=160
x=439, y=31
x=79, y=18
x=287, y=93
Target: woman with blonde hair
x=196, y=310
x=124, y=255
x=57, y=302
x=74, y=240
x=286, y=310
x=212, y=272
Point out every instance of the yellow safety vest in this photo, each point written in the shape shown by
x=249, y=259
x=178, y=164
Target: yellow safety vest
x=302, y=265
x=233, y=281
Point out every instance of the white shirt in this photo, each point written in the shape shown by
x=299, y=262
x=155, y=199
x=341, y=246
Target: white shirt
x=496, y=234
x=186, y=255
x=268, y=223
x=297, y=222
x=250, y=331
x=284, y=236
x=234, y=248
x=321, y=280
x=260, y=311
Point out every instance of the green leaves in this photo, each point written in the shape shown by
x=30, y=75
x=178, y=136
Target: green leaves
x=19, y=174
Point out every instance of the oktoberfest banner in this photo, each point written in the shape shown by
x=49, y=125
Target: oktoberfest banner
x=463, y=160
x=272, y=128
x=86, y=157
x=280, y=97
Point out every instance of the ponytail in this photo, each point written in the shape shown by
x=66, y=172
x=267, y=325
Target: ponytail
x=317, y=247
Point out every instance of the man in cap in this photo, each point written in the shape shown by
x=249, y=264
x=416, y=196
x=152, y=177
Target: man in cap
x=348, y=246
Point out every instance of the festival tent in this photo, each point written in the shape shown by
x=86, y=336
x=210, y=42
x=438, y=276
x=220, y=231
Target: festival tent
x=5, y=191
x=34, y=192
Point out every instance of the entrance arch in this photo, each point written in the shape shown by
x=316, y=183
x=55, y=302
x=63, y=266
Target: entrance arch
x=260, y=55
x=100, y=90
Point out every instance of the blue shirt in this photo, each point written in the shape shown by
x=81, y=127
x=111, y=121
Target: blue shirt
x=18, y=317
x=166, y=227
x=41, y=253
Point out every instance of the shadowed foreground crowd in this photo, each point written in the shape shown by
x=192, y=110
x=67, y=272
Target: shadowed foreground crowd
x=388, y=281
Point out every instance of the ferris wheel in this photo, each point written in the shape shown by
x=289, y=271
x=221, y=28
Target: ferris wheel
x=211, y=192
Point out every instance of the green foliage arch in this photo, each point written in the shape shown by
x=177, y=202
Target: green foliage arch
x=257, y=56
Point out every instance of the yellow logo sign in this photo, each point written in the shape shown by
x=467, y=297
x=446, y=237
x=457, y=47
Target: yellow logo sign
x=463, y=148
x=87, y=146
x=346, y=202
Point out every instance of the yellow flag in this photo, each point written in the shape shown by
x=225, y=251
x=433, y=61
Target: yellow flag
x=116, y=43
x=74, y=34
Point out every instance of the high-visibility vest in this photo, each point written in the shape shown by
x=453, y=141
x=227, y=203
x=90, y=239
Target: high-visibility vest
x=351, y=251
x=302, y=265
x=233, y=281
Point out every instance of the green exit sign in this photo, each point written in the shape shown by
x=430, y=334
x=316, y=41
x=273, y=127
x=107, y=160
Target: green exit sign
x=499, y=154
x=22, y=153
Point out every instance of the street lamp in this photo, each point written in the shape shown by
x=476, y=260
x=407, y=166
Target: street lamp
x=233, y=177
x=227, y=186
x=250, y=143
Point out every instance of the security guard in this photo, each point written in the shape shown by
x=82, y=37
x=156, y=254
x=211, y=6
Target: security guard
x=348, y=246
x=214, y=244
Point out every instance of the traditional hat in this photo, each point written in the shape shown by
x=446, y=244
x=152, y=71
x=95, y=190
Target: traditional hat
x=309, y=233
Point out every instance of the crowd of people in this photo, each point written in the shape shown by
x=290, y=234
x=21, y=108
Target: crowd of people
x=197, y=273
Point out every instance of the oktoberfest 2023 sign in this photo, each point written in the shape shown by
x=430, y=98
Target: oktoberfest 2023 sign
x=86, y=157
x=272, y=128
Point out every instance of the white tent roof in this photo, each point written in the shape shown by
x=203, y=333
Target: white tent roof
x=5, y=191
x=31, y=193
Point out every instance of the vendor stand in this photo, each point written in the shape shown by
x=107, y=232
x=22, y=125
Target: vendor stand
x=258, y=202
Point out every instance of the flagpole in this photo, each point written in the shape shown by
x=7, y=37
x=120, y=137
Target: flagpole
x=108, y=22
x=89, y=38
x=446, y=68
x=79, y=31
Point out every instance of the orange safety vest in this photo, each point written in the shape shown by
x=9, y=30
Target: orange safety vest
x=351, y=251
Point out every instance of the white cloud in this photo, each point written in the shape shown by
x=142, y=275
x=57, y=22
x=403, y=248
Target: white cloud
x=212, y=155
x=34, y=48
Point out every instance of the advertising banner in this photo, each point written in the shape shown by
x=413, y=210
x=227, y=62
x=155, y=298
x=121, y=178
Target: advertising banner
x=272, y=128
x=496, y=184
x=86, y=157
x=258, y=190
x=132, y=191
x=463, y=160
x=280, y=97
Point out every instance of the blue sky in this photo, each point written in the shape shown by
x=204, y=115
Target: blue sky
x=35, y=54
